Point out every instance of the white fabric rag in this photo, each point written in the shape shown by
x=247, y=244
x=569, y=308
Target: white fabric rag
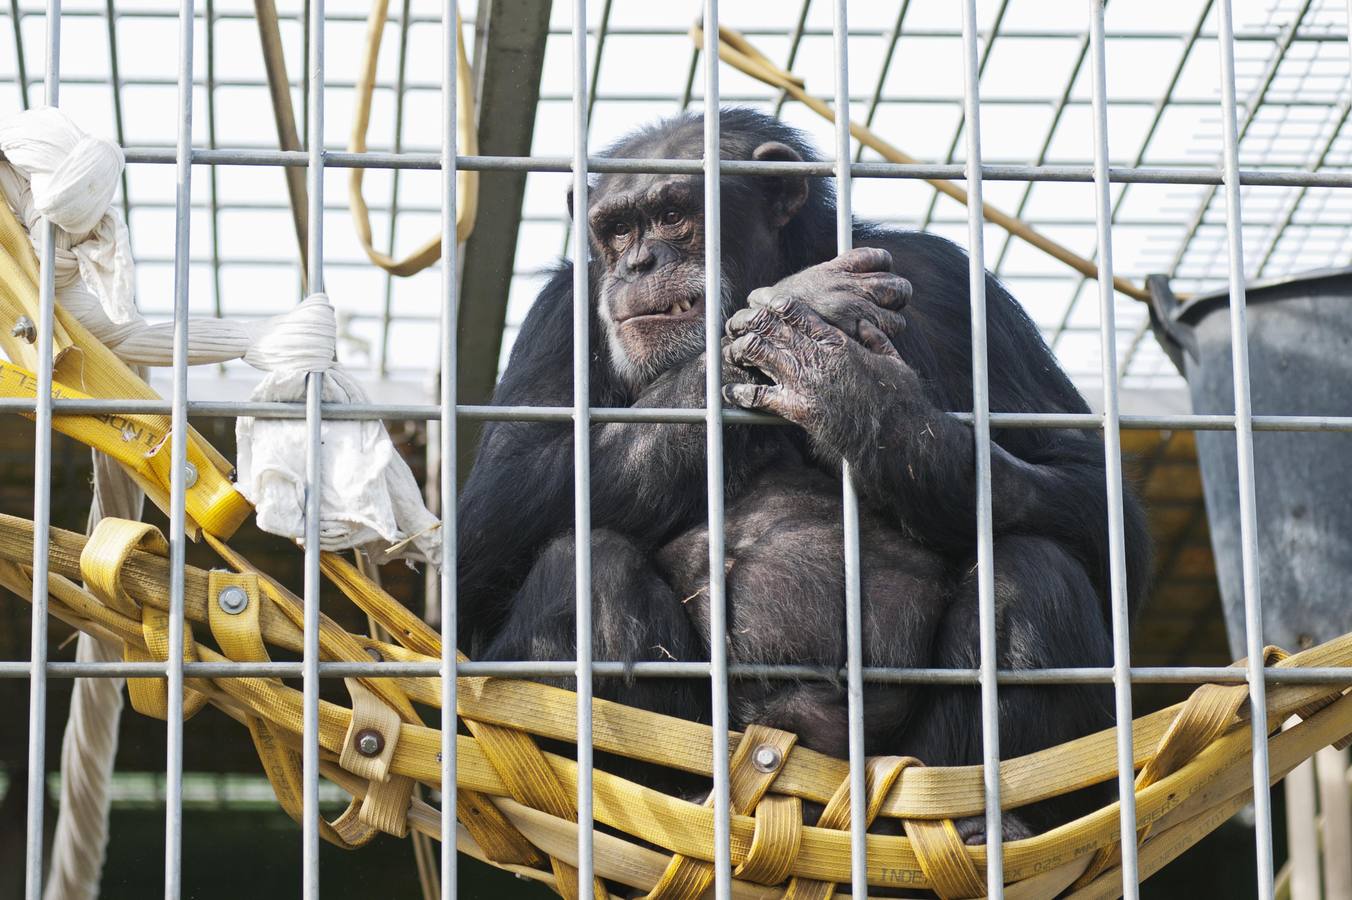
x=50, y=168
x=369, y=496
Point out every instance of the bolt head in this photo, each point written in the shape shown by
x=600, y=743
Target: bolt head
x=766, y=759
x=370, y=742
x=189, y=474
x=233, y=600
x=25, y=329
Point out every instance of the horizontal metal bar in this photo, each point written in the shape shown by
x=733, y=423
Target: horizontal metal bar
x=884, y=100
x=1311, y=36
x=822, y=169
x=568, y=668
x=649, y=415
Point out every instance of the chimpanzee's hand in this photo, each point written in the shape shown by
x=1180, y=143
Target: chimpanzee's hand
x=856, y=292
x=822, y=380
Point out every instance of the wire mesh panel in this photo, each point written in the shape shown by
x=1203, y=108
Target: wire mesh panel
x=1210, y=135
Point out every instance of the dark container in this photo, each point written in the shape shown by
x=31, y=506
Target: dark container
x=1300, y=363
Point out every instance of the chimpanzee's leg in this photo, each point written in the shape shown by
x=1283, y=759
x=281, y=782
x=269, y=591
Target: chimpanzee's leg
x=635, y=617
x=1048, y=615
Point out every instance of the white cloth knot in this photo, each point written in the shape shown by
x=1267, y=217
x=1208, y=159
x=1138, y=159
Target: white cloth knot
x=304, y=339
x=52, y=169
x=73, y=175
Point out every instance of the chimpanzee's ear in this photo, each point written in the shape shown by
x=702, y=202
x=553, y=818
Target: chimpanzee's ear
x=787, y=193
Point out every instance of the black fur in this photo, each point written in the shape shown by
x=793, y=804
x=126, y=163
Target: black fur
x=913, y=466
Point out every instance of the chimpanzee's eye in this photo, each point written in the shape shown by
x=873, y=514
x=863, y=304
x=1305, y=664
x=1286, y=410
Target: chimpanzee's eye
x=620, y=229
x=671, y=216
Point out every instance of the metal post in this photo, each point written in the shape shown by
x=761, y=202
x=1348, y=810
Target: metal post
x=713, y=429
x=178, y=463
x=449, y=297
x=981, y=433
x=42, y=503
x=314, y=390
x=582, y=452
x=854, y=656
x=1248, y=513
x=1112, y=453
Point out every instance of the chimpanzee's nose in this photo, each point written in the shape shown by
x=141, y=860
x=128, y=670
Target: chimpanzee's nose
x=642, y=259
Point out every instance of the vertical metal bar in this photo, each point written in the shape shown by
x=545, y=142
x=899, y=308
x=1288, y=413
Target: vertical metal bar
x=115, y=74
x=42, y=507
x=1156, y=116
x=892, y=39
x=450, y=307
x=382, y=367
x=1248, y=513
x=20, y=66
x=957, y=132
x=713, y=430
x=582, y=452
x=214, y=201
x=854, y=656
x=981, y=433
x=314, y=391
x=795, y=41
x=1112, y=453
x=178, y=461
x=179, y=458
x=1279, y=51
x=602, y=30
x=1347, y=25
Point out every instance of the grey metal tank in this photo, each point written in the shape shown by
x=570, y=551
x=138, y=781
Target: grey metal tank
x=1300, y=359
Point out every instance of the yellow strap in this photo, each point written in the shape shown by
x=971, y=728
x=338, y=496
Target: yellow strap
x=150, y=696
x=106, y=552
x=879, y=776
x=943, y=858
x=775, y=842
x=238, y=633
x=749, y=779
x=142, y=445
x=467, y=183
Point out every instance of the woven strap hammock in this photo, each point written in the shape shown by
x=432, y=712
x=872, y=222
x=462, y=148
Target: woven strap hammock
x=516, y=807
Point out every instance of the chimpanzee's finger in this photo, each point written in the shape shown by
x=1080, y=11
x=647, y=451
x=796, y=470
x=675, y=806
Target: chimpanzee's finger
x=766, y=398
x=885, y=320
x=767, y=323
x=804, y=319
x=753, y=351
x=863, y=259
x=885, y=289
x=874, y=339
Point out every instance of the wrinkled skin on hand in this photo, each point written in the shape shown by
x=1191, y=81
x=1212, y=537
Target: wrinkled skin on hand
x=857, y=292
x=823, y=337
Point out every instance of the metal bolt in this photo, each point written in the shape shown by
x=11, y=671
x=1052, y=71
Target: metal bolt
x=233, y=600
x=189, y=474
x=374, y=654
x=370, y=742
x=25, y=329
x=766, y=758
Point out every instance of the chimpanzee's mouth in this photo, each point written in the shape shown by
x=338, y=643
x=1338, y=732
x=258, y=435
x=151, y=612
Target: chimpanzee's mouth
x=680, y=309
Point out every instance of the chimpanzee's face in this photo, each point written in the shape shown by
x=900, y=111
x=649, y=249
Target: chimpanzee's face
x=648, y=233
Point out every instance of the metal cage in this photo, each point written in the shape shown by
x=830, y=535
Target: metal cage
x=1216, y=240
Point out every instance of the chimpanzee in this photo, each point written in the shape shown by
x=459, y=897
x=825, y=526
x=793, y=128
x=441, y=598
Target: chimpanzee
x=820, y=340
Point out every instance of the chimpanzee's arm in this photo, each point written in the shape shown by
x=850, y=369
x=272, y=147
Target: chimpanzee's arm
x=915, y=461
x=647, y=479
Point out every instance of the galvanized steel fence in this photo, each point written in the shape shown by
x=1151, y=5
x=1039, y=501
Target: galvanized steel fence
x=39, y=670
